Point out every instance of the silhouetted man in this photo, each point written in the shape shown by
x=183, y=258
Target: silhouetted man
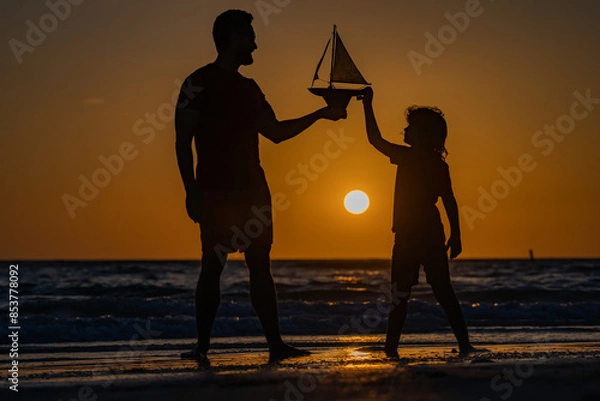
x=223, y=112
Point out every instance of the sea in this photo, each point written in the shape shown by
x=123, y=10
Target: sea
x=326, y=301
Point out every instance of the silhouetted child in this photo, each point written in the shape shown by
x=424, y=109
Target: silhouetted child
x=422, y=176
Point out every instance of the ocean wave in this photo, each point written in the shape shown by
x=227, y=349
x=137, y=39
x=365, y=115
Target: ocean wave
x=106, y=301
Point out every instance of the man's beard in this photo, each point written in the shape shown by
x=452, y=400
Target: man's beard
x=247, y=59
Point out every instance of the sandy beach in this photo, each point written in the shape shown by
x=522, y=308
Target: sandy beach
x=351, y=370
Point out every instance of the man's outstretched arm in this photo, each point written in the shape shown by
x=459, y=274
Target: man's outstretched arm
x=279, y=131
x=187, y=122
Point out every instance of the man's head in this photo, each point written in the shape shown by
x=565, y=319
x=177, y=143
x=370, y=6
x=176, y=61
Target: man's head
x=233, y=33
x=426, y=128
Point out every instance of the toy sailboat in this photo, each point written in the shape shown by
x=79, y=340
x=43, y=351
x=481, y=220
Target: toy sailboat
x=343, y=71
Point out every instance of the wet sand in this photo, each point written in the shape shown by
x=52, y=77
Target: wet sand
x=549, y=371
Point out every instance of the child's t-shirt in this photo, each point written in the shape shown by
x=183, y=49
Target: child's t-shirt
x=421, y=178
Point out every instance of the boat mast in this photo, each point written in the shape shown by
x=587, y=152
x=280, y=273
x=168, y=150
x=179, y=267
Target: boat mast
x=333, y=48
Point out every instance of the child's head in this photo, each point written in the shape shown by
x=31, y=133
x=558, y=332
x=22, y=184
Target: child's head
x=427, y=129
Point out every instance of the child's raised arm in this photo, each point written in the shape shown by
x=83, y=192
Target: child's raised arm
x=387, y=148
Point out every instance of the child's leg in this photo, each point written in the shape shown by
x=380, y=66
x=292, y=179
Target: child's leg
x=444, y=293
x=438, y=277
x=405, y=273
x=396, y=320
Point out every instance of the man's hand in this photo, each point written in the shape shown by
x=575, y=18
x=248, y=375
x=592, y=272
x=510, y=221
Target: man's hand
x=193, y=204
x=454, y=245
x=333, y=113
x=367, y=95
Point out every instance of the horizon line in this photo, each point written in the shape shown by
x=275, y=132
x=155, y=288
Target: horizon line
x=294, y=259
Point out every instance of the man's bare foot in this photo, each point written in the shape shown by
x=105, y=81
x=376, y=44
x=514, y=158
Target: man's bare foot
x=285, y=351
x=196, y=355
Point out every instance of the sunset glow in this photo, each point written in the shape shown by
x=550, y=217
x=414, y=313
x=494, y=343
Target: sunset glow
x=90, y=170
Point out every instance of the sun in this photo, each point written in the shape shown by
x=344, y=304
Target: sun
x=356, y=202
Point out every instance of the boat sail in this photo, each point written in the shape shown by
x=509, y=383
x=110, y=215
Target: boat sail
x=342, y=71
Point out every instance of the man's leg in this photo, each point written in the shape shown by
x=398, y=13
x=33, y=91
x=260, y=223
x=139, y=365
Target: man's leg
x=262, y=292
x=264, y=300
x=208, y=297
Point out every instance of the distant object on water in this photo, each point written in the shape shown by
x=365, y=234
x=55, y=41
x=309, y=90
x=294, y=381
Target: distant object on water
x=531, y=257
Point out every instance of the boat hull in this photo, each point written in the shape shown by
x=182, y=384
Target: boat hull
x=337, y=98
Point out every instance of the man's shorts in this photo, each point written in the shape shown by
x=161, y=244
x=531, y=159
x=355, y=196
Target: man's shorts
x=233, y=220
x=408, y=256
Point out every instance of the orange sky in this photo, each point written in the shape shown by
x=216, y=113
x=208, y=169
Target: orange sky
x=83, y=91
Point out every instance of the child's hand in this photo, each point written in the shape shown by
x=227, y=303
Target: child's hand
x=367, y=95
x=454, y=245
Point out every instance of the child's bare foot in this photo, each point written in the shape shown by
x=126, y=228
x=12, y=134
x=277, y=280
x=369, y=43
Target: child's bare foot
x=391, y=352
x=470, y=350
x=285, y=351
x=198, y=356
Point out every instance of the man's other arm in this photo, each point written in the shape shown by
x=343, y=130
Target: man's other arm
x=187, y=122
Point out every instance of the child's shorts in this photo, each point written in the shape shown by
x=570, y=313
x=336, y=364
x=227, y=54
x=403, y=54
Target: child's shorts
x=408, y=258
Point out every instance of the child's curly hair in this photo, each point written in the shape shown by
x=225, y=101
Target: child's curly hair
x=433, y=129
